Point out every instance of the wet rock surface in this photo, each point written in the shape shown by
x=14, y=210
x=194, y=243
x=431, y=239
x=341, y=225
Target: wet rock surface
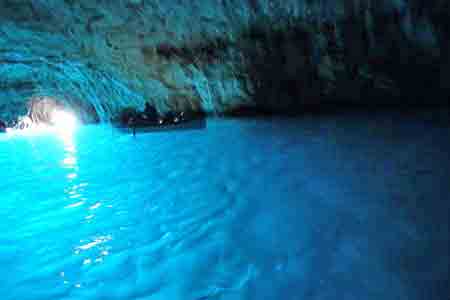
x=222, y=57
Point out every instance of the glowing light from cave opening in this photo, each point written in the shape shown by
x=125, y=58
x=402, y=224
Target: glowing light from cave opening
x=64, y=121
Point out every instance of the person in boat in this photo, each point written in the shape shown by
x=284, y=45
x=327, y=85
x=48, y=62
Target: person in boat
x=150, y=113
x=2, y=126
x=172, y=117
x=169, y=117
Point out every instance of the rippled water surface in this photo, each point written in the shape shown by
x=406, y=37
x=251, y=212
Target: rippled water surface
x=313, y=208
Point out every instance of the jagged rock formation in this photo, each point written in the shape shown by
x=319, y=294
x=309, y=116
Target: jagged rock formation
x=222, y=56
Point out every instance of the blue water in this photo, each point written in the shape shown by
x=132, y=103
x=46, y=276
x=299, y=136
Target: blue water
x=315, y=208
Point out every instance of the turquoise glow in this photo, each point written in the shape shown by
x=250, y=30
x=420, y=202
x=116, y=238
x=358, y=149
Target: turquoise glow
x=253, y=209
x=64, y=121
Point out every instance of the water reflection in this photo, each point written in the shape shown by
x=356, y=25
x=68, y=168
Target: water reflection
x=70, y=161
x=97, y=241
x=92, y=249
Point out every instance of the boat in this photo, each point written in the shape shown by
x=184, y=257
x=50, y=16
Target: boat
x=147, y=126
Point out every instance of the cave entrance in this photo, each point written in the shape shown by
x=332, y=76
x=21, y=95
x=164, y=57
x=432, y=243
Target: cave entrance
x=50, y=112
x=42, y=109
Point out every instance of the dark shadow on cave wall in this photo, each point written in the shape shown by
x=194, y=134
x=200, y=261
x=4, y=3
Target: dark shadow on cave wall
x=415, y=70
x=285, y=63
x=280, y=63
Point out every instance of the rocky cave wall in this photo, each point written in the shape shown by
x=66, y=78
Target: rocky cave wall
x=222, y=56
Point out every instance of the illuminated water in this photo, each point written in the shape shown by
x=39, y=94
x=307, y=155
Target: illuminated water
x=327, y=208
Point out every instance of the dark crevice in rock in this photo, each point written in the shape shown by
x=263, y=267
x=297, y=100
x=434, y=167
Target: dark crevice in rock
x=92, y=20
x=18, y=86
x=205, y=51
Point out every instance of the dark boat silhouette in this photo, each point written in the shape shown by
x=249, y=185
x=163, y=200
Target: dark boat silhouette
x=147, y=126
